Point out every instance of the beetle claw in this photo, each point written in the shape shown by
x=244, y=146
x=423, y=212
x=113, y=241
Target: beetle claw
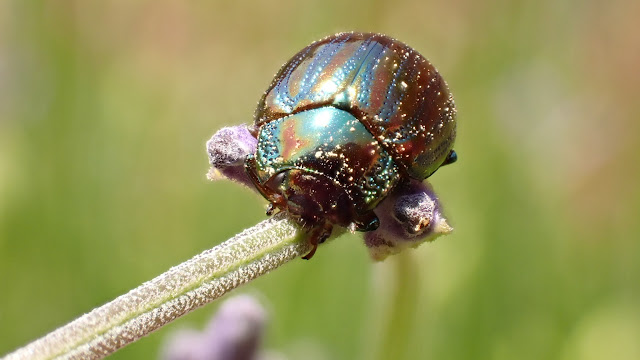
x=270, y=209
x=313, y=251
x=317, y=236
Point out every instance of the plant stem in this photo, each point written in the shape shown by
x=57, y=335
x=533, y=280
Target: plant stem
x=403, y=307
x=182, y=289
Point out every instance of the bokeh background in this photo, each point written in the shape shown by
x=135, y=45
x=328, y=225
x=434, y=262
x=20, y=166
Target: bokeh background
x=105, y=108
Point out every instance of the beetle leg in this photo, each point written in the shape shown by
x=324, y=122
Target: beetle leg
x=318, y=235
x=250, y=169
x=275, y=200
x=367, y=222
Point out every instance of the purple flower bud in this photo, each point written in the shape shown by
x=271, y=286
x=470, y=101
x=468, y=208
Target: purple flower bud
x=187, y=344
x=234, y=333
x=409, y=216
x=227, y=150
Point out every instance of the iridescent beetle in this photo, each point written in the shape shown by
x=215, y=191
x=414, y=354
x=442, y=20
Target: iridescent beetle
x=345, y=121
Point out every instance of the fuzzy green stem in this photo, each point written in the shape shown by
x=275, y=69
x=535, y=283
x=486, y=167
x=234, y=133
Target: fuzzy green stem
x=182, y=289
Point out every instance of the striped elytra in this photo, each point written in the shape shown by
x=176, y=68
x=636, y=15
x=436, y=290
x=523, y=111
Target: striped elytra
x=393, y=90
x=343, y=122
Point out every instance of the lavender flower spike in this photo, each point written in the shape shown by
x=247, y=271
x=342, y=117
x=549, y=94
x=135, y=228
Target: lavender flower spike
x=182, y=289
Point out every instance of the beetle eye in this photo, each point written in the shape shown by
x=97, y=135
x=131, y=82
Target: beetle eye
x=451, y=158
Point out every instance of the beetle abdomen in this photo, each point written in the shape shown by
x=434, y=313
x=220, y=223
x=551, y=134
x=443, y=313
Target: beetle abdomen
x=391, y=89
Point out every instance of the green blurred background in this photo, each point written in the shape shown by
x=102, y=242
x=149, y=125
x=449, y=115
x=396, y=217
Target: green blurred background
x=105, y=108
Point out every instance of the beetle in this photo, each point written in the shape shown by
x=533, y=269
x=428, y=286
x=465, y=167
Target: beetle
x=343, y=123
